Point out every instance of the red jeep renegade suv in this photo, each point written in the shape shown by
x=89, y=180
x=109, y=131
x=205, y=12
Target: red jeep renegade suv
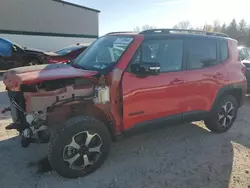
x=123, y=80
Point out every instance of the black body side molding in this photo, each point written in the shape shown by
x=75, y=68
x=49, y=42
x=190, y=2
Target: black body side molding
x=230, y=89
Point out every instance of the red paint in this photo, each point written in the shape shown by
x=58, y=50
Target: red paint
x=135, y=100
x=114, y=79
x=70, y=72
x=42, y=74
x=57, y=58
x=173, y=93
x=157, y=96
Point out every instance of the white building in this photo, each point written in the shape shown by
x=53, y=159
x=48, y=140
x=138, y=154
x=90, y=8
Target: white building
x=47, y=24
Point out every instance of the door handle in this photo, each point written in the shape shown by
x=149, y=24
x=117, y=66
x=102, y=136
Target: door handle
x=177, y=81
x=218, y=75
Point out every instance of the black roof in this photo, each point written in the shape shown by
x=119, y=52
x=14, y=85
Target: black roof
x=75, y=5
x=158, y=33
x=182, y=31
x=185, y=35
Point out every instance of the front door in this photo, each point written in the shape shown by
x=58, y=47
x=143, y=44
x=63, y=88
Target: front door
x=155, y=96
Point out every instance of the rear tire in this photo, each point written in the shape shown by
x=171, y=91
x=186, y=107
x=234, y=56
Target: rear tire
x=33, y=62
x=80, y=147
x=223, y=115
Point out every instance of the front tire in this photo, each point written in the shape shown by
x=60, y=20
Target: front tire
x=223, y=115
x=80, y=147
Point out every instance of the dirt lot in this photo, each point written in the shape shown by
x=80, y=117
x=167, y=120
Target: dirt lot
x=163, y=156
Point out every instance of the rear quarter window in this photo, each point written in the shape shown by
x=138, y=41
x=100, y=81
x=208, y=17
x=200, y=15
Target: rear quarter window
x=223, y=50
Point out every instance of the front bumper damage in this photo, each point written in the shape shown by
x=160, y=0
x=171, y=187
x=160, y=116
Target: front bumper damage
x=37, y=93
x=30, y=110
x=18, y=114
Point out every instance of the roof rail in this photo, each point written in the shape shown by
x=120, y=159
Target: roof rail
x=168, y=31
x=120, y=32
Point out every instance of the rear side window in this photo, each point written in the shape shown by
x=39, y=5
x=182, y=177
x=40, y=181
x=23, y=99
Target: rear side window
x=201, y=53
x=223, y=50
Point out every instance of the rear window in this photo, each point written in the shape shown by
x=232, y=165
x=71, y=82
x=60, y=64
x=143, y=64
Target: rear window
x=68, y=49
x=223, y=50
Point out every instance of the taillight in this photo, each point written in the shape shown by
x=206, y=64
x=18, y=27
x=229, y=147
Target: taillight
x=51, y=61
x=55, y=61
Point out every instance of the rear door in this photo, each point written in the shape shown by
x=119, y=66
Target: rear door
x=205, y=74
x=15, y=59
x=155, y=97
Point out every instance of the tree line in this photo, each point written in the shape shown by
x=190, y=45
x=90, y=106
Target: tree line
x=237, y=30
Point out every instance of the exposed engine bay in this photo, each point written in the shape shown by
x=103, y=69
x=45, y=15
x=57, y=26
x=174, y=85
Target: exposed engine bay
x=31, y=105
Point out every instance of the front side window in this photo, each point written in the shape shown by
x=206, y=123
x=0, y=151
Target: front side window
x=168, y=53
x=103, y=53
x=201, y=53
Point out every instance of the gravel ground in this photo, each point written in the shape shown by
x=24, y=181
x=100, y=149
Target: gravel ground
x=163, y=156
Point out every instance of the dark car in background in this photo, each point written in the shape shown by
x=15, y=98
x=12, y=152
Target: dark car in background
x=13, y=55
x=244, y=52
x=65, y=54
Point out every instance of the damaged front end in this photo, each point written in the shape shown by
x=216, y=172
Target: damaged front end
x=38, y=97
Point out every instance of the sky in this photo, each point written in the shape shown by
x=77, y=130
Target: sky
x=118, y=15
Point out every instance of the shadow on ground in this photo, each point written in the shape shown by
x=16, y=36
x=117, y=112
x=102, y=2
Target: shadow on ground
x=163, y=156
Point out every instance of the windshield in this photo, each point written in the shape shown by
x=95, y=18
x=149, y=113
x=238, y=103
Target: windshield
x=67, y=50
x=18, y=46
x=104, y=52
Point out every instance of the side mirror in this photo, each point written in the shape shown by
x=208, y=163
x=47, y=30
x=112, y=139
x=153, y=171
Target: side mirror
x=145, y=68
